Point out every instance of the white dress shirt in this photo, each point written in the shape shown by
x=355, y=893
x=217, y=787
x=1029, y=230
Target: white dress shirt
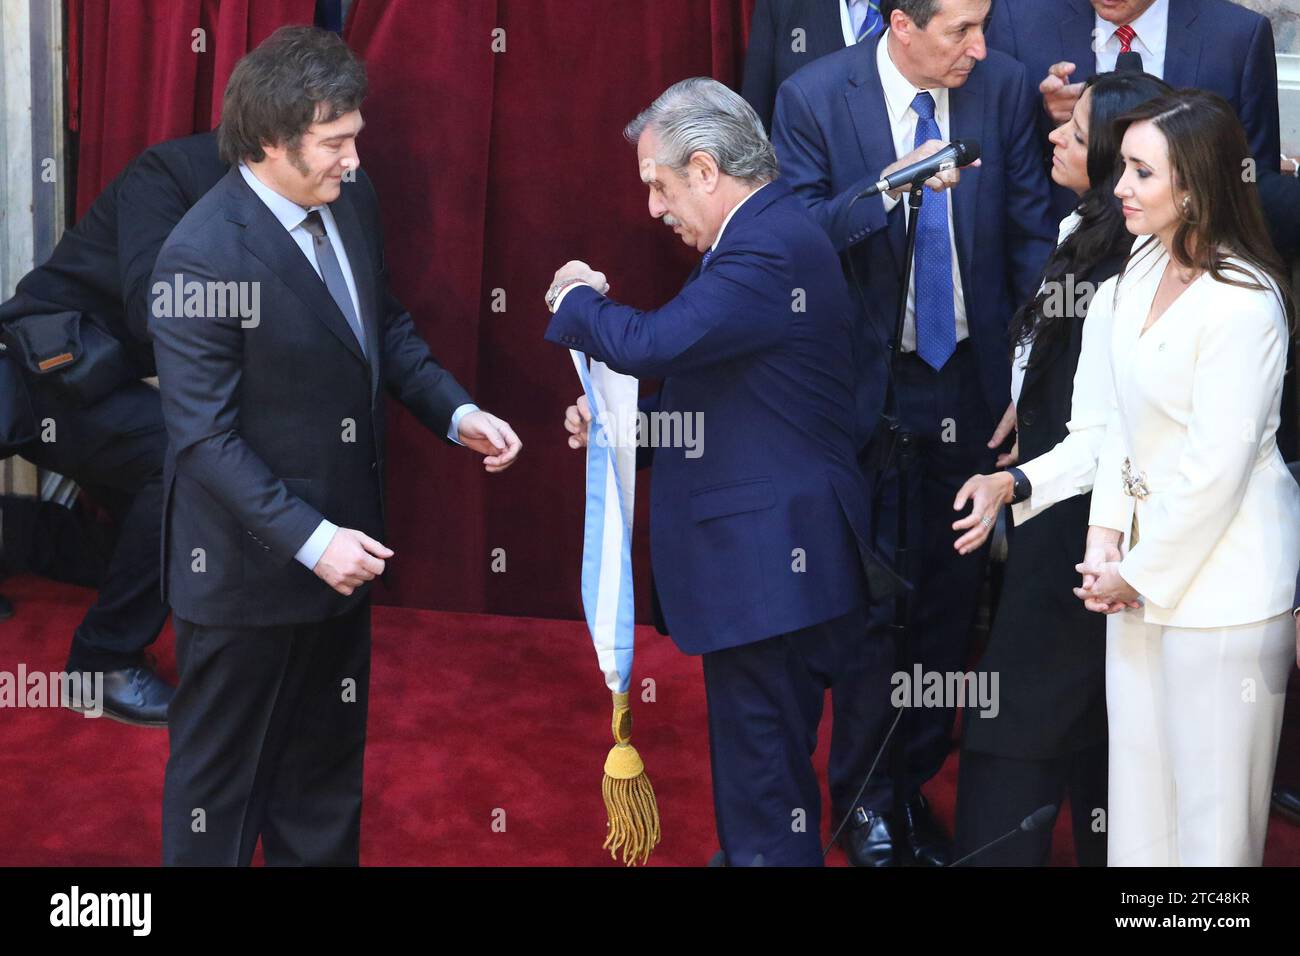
x=292, y=216
x=853, y=13
x=734, y=209
x=899, y=93
x=1152, y=29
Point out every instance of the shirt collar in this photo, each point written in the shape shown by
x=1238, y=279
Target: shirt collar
x=287, y=211
x=899, y=91
x=1151, y=28
x=734, y=210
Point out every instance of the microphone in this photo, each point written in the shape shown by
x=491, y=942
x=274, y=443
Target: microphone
x=1130, y=62
x=961, y=152
x=1040, y=818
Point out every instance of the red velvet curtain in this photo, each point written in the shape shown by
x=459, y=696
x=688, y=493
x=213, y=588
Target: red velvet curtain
x=494, y=167
x=135, y=78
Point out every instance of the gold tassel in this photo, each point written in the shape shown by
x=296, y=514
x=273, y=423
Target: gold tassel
x=633, y=824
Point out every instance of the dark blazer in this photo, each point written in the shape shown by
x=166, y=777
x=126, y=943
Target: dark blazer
x=274, y=426
x=832, y=136
x=101, y=266
x=1213, y=45
x=777, y=477
x=771, y=57
x=1049, y=651
x=1280, y=196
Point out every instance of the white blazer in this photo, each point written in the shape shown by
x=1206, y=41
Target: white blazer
x=1069, y=467
x=1196, y=406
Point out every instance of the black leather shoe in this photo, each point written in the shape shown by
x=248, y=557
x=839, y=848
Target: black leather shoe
x=134, y=695
x=6, y=608
x=1286, y=801
x=869, y=840
x=930, y=845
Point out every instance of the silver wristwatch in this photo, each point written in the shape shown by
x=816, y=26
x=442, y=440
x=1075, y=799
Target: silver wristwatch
x=553, y=294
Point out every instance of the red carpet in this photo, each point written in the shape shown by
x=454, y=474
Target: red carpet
x=470, y=715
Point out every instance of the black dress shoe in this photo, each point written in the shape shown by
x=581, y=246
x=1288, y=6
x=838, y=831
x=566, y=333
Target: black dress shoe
x=6, y=608
x=869, y=840
x=930, y=845
x=1286, y=801
x=133, y=695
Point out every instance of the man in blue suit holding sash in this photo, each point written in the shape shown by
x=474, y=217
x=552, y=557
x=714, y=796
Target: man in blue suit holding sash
x=760, y=540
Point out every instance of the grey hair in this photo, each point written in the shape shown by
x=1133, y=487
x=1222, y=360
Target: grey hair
x=703, y=115
x=920, y=12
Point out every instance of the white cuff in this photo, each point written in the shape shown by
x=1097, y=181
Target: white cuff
x=453, y=433
x=309, y=554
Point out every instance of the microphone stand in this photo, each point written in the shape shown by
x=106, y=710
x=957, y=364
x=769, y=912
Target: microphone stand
x=897, y=451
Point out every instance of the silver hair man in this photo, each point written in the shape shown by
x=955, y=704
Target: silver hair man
x=702, y=115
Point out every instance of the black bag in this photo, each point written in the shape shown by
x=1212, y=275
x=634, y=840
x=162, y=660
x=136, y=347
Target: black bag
x=72, y=351
x=17, y=421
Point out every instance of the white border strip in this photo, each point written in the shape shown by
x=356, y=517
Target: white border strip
x=1288, y=71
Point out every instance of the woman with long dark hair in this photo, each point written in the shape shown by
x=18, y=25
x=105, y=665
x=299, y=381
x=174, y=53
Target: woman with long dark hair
x=1192, y=489
x=1048, y=737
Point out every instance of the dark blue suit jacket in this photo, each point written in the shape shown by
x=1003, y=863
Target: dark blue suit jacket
x=1213, y=45
x=759, y=344
x=832, y=136
x=771, y=56
x=274, y=426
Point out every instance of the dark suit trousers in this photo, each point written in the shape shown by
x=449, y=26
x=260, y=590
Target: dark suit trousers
x=946, y=413
x=268, y=732
x=995, y=793
x=765, y=702
x=114, y=449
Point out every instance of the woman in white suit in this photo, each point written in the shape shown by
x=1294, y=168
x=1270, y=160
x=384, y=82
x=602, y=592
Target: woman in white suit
x=1191, y=488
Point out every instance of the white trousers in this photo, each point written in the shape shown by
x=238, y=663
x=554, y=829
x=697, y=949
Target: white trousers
x=1195, y=715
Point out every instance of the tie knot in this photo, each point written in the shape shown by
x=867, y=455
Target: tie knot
x=1126, y=34
x=314, y=224
x=924, y=106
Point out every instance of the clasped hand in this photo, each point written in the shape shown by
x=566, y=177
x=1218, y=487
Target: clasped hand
x=1103, y=589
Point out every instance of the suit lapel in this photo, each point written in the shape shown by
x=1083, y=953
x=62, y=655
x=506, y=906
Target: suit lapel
x=270, y=242
x=865, y=98
x=826, y=33
x=1183, y=46
x=966, y=121
x=363, y=274
x=1077, y=40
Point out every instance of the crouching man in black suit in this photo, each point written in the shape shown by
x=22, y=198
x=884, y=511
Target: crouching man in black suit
x=276, y=337
x=109, y=436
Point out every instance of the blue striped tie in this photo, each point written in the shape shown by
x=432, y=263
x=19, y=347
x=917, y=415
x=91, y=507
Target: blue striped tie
x=872, y=23
x=936, y=315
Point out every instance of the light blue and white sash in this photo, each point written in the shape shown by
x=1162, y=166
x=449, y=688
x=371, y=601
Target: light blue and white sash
x=607, y=596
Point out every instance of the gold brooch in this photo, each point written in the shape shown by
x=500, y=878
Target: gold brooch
x=1135, y=486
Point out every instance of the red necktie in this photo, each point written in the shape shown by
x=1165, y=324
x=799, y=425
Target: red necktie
x=1126, y=34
